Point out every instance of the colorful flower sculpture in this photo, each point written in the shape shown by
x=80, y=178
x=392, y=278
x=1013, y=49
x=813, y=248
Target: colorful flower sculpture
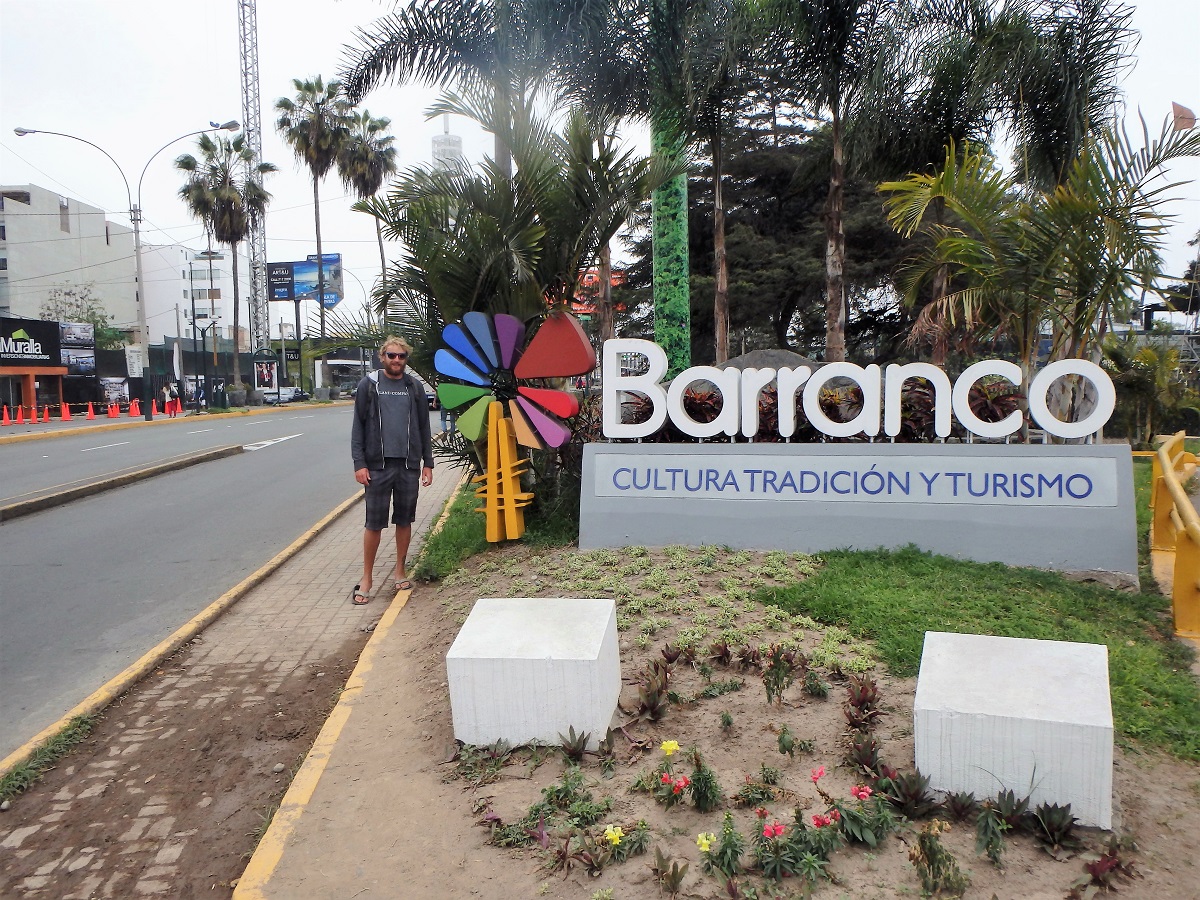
x=484, y=357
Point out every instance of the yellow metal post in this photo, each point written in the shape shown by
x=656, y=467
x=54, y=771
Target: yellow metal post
x=500, y=486
x=1185, y=595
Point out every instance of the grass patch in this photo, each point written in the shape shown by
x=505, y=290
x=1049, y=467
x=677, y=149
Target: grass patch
x=27, y=774
x=461, y=536
x=1142, y=473
x=894, y=597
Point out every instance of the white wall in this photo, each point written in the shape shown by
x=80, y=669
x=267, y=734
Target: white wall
x=46, y=249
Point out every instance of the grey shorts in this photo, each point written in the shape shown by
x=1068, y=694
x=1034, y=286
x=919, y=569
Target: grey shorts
x=394, y=484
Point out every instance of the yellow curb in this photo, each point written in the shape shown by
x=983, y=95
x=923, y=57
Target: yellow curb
x=138, y=670
x=139, y=422
x=269, y=853
x=114, y=480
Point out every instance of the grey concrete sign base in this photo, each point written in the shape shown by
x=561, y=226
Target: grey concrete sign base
x=1062, y=507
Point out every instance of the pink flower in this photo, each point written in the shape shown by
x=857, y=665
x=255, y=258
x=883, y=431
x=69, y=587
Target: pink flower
x=768, y=831
x=860, y=792
x=835, y=815
x=761, y=812
x=778, y=829
x=818, y=773
x=683, y=781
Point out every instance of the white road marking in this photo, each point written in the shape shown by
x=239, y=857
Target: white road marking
x=259, y=445
x=201, y=431
x=104, y=446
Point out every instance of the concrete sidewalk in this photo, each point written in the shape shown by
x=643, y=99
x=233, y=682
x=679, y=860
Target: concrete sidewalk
x=296, y=616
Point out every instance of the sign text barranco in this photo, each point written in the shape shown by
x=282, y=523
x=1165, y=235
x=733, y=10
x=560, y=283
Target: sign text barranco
x=1065, y=506
x=881, y=390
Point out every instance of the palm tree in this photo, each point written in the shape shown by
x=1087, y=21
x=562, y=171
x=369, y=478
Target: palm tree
x=315, y=125
x=630, y=56
x=366, y=159
x=221, y=192
x=1068, y=259
x=485, y=240
x=836, y=50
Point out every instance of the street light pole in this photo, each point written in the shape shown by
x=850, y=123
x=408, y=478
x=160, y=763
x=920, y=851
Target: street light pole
x=135, y=217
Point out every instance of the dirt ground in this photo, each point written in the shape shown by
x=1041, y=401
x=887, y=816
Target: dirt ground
x=173, y=774
x=225, y=759
x=1157, y=797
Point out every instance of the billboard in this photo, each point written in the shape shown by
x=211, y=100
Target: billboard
x=298, y=280
x=29, y=343
x=77, y=341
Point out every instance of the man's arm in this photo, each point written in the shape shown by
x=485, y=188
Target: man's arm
x=358, y=433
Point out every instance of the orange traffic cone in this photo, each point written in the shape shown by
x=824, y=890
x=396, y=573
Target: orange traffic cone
x=154, y=407
x=91, y=412
x=112, y=411
x=6, y=420
x=45, y=414
x=20, y=415
x=66, y=413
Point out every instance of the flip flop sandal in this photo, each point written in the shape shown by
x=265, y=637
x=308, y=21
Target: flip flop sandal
x=404, y=585
x=356, y=594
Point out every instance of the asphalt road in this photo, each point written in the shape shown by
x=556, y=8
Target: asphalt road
x=87, y=588
x=33, y=466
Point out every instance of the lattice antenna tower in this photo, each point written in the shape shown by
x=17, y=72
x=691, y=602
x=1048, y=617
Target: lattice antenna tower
x=252, y=127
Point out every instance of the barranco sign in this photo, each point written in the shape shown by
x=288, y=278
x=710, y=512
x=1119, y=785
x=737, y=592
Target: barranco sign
x=881, y=390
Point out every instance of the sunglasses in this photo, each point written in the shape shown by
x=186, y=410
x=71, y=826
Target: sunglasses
x=396, y=355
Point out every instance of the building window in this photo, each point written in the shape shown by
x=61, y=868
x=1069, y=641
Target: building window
x=107, y=236
x=3, y=233
x=185, y=295
x=3, y=263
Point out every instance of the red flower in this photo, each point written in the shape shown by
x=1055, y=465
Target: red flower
x=860, y=792
x=835, y=815
x=821, y=821
x=778, y=829
x=678, y=789
x=768, y=831
x=666, y=777
x=761, y=812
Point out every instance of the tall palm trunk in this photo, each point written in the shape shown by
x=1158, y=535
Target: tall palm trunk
x=320, y=255
x=720, y=264
x=835, y=247
x=672, y=300
x=382, y=257
x=605, y=318
x=237, y=321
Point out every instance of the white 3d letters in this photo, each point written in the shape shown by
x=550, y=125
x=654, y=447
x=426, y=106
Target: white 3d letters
x=740, y=392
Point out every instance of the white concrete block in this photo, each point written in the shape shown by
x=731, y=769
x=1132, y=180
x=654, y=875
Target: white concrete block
x=524, y=669
x=996, y=713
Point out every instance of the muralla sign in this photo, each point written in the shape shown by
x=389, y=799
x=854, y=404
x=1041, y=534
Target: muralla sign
x=1057, y=506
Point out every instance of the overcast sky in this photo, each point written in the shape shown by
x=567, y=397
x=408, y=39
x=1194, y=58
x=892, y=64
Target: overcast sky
x=130, y=75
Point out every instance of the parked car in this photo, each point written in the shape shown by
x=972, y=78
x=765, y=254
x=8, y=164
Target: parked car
x=286, y=395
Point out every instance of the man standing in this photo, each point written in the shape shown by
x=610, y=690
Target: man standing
x=389, y=442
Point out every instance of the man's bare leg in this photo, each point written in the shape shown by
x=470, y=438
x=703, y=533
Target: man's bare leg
x=370, y=549
x=403, y=538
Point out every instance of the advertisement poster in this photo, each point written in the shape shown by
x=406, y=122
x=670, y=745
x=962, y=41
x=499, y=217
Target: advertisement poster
x=115, y=390
x=298, y=280
x=29, y=343
x=264, y=376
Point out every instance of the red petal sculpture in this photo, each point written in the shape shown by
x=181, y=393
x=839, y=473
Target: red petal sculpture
x=559, y=349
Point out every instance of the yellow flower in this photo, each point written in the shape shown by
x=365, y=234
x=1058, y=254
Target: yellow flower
x=613, y=834
x=669, y=747
x=704, y=840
